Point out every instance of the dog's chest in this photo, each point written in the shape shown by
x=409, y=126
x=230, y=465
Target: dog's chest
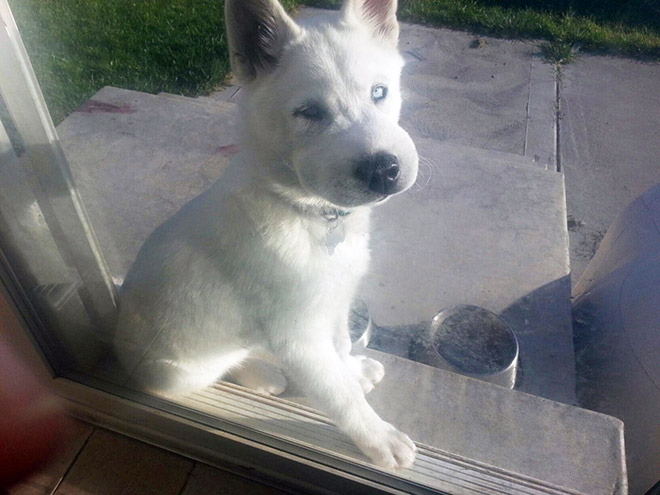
x=335, y=235
x=294, y=250
x=338, y=255
x=337, y=275
x=347, y=251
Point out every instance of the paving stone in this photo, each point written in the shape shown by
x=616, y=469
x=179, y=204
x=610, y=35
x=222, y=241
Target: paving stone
x=610, y=149
x=473, y=96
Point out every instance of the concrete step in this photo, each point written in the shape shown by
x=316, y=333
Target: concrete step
x=479, y=227
x=483, y=232
x=515, y=432
x=472, y=437
x=211, y=104
x=137, y=158
x=226, y=93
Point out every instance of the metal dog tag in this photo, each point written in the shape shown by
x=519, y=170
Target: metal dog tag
x=335, y=236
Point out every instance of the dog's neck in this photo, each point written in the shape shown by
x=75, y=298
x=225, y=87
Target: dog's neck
x=280, y=180
x=329, y=222
x=333, y=218
x=307, y=205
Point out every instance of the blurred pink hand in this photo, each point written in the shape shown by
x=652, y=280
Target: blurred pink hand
x=32, y=421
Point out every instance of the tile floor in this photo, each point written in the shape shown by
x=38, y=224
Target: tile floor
x=101, y=462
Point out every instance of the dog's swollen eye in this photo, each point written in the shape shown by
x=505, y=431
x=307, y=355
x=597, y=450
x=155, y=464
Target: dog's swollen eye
x=311, y=111
x=378, y=92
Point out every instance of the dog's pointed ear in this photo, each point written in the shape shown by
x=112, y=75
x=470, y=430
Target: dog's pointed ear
x=379, y=15
x=257, y=31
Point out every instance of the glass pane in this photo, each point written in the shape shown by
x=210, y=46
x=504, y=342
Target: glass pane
x=46, y=238
x=262, y=257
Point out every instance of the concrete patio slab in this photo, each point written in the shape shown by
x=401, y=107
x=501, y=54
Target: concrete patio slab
x=474, y=91
x=609, y=144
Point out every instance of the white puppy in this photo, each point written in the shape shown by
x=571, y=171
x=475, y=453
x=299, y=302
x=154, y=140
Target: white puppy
x=271, y=267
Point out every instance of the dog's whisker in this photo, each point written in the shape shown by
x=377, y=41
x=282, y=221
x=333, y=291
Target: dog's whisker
x=425, y=173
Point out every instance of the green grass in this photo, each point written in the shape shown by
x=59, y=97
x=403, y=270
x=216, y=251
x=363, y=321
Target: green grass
x=624, y=27
x=79, y=46
x=558, y=51
x=179, y=46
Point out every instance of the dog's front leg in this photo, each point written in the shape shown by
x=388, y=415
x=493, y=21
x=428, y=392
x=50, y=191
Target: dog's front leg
x=368, y=372
x=325, y=378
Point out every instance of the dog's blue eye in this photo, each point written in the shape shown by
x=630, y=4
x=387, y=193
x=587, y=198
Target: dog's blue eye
x=378, y=93
x=311, y=111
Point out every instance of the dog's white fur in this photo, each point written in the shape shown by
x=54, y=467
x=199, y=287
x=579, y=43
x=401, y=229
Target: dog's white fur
x=240, y=273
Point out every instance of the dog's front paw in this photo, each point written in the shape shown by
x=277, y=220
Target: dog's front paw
x=262, y=377
x=389, y=448
x=367, y=371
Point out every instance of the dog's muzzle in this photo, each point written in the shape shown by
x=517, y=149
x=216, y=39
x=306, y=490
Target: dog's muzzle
x=380, y=172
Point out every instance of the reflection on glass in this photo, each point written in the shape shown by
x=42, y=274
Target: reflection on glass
x=264, y=280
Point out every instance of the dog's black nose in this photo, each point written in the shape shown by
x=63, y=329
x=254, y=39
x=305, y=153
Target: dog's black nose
x=379, y=171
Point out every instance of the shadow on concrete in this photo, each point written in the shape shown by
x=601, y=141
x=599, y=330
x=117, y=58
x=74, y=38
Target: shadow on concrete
x=546, y=362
